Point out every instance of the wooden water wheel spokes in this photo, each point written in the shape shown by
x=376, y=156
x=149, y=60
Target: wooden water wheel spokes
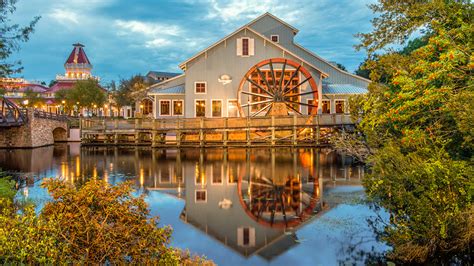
x=278, y=203
x=276, y=82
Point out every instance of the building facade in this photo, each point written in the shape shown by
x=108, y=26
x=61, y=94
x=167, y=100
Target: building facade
x=249, y=71
x=77, y=67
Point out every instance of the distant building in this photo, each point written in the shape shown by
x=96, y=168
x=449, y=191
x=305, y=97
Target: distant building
x=154, y=77
x=77, y=67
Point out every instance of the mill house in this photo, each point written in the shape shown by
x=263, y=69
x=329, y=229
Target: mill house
x=256, y=70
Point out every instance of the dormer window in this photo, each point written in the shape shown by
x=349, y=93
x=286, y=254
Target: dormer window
x=275, y=38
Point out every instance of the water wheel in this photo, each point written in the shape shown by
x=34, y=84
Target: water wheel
x=273, y=87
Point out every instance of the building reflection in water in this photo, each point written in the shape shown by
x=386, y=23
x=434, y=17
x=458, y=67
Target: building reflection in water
x=251, y=200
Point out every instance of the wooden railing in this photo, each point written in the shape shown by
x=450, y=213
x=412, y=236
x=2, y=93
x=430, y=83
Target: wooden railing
x=190, y=124
x=49, y=115
x=11, y=115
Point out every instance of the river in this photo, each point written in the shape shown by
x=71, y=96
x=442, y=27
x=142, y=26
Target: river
x=237, y=206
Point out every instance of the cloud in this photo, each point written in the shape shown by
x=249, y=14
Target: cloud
x=157, y=43
x=240, y=10
x=64, y=17
x=148, y=29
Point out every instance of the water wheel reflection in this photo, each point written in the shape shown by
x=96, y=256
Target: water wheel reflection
x=279, y=202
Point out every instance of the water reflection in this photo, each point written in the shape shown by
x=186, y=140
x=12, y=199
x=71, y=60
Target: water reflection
x=252, y=201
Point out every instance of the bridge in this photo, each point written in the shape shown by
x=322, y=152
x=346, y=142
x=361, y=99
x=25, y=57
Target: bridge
x=29, y=128
x=297, y=130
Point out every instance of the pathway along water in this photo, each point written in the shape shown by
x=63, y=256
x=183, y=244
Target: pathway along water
x=235, y=206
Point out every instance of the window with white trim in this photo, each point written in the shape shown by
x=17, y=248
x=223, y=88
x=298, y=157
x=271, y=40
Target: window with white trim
x=275, y=38
x=245, y=47
x=232, y=108
x=178, y=107
x=200, y=196
x=246, y=236
x=200, y=87
x=216, y=108
x=165, y=107
x=326, y=107
x=340, y=106
x=200, y=108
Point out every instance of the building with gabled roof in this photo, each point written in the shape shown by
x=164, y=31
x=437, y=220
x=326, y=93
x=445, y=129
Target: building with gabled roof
x=247, y=71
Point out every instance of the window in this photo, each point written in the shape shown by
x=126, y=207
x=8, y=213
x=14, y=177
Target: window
x=275, y=38
x=245, y=46
x=246, y=236
x=146, y=107
x=232, y=109
x=310, y=108
x=326, y=107
x=201, y=196
x=178, y=107
x=200, y=108
x=216, y=108
x=200, y=87
x=216, y=174
x=165, y=107
x=340, y=106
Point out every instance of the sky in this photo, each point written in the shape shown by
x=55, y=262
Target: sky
x=127, y=37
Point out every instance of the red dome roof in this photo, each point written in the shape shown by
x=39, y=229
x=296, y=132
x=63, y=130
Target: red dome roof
x=78, y=56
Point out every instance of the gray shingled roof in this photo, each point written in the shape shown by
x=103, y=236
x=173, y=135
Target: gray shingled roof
x=163, y=74
x=179, y=89
x=329, y=88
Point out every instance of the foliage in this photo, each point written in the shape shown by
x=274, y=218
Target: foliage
x=85, y=92
x=34, y=98
x=6, y=187
x=11, y=35
x=27, y=238
x=94, y=224
x=128, y=90
x=429, y=200
x=364, y=69
x=418, y=121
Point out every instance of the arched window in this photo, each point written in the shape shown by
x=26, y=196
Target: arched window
x=147, y=106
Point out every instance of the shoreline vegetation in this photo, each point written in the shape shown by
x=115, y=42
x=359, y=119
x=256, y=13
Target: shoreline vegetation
x=96, y=223
x=416, y=129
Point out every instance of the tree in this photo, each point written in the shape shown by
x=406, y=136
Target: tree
x=418, y=120
x=129, y=90
x=341, y=66
x=85, y=93
x=33, y=98
x=10, y=38
x=94, y=224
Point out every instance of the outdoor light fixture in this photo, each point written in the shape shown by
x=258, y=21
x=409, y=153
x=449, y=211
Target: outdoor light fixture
x=25, y=102
x=63, y=101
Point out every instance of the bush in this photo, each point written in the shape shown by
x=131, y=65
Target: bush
x=95, y=224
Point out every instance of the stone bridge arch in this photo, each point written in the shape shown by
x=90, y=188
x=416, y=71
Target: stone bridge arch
x=59, y=134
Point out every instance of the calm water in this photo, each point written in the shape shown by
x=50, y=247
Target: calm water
x=237, y=207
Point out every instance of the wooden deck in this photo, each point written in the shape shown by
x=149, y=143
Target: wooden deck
x=302, y=131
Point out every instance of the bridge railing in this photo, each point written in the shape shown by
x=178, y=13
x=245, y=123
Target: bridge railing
x=11, y=114
x=49, y=115
x=324, y=120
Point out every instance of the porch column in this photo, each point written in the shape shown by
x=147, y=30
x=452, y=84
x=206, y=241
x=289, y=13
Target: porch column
x=320, y=94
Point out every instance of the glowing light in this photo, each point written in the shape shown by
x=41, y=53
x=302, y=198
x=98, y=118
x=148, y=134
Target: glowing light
x=63, y=101
x=142, y=177
x=78, y=166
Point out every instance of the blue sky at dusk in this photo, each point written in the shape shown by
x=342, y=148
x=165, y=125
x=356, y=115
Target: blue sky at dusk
x=124, y=37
